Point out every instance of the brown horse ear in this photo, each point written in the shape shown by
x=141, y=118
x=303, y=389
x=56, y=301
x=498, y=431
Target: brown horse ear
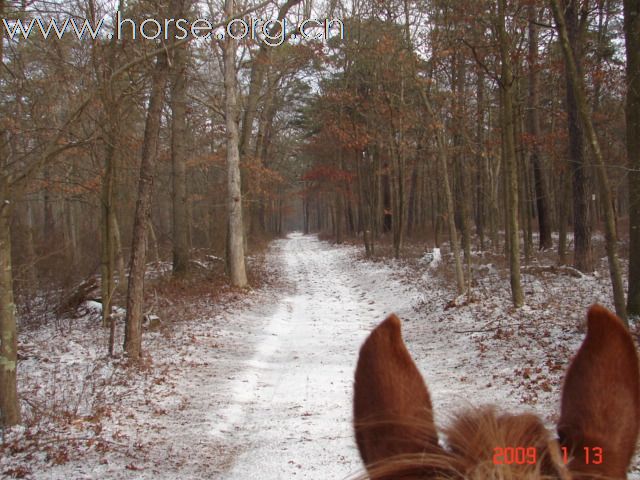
x=600, y=414
x=392, y=409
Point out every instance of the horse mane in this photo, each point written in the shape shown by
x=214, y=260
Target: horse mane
x=469, y=452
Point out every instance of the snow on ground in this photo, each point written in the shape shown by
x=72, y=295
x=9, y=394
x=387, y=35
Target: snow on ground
x=260, y=385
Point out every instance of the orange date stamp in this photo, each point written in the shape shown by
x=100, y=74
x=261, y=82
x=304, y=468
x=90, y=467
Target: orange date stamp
x=529, y=455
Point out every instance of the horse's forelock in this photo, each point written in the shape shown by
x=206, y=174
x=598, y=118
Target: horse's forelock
x=471, y=440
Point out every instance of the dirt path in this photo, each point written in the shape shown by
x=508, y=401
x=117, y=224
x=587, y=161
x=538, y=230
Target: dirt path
x=291, y=404
x=258, y=387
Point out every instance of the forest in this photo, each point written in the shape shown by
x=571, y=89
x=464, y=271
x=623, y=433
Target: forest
x=164, y=164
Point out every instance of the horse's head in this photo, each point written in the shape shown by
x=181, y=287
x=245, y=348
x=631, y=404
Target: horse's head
x=597, y=430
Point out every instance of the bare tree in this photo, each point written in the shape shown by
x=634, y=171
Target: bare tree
x=442, y=159
x=509, y=154
x=9, y=405
x=135, y=292
x=577, y=86
x=576, y=24
x=533, y=127
x=235, y=227
x=178, y=160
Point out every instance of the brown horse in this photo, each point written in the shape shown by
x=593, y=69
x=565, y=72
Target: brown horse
x=597, y=430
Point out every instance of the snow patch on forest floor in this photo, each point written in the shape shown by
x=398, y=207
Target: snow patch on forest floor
x=260, y=386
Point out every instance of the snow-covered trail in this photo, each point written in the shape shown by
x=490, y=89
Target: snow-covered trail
x=259, y=387
x=291, y=405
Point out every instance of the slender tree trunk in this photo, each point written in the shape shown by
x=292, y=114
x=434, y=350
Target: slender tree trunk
x=305, y=214
x=494, y=209
x=152, y=240
x=411, y=201
x=523, y=190
x=481, y=160
x=9, y=403
x=110, y=247
x=396, y=178
x=31, y=273
x=108, y=222
x=49, y=222
x=533, y=126
x=373, y=200
x=563, y=214
x=107, y=245
x=235, y=226
x=511, y=174
x=441, y=148
x=178, y=161
x=448, y=195
x=135, y=292
x=436, y=211
x=260, y=152
x=338, y=217
x=119, y=254
x=573, y=73
x=364, y=199
x=339, y=201
x=462, y=200
x=71, y=232
x=632, y=42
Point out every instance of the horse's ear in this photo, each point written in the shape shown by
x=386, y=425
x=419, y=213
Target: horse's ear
x=392, y=409
x=600, y=412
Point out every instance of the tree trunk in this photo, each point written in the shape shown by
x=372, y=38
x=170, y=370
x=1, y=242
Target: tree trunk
x=481, y=159
x=533, y=125
x=110, y=241
x=364, y=201
x=305, y=214
x=71, y=232
x=49, y=221
x=338, y=217
x=108, y=238
x=339, y=202
x=412, y=200
x=448, y=195
x=583, y=255
x=31, y=273
x=460, y=167
x=135, y=292
x=119, y=255
x=178, y=161
x=441, y=151
x=396, y=181
x=563, y=214
x=235, y=226
x=152, y=240
x=511, y=174
x=632, y=42
x=494, y=210
x=9, y=403
x=523, y=191
x=577, y=83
